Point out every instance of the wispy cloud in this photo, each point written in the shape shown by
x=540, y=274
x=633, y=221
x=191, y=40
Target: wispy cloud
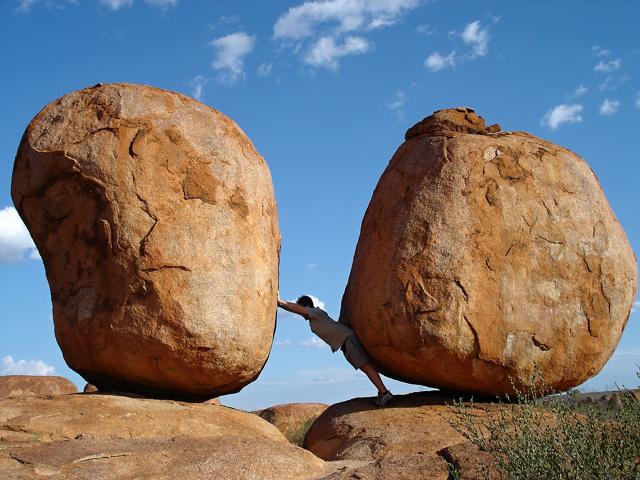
x=230, y=52
x=608, y=66
x=436, y=62
x=116, y=4
x=311, y=266
x=327, y=51
x=581, y=91
x=561, y=114
x=613, y=82
x=638, y=100
x=264, y=69
x=325, y=31
x=609, y=107
x=477, y=37
x=8, y=366
x=426, y=30
x=599, y=51
x=197, y=85
x=312, y=342
x=474, y=35
x=396, y=104
x=635, y=307
x=15, y=241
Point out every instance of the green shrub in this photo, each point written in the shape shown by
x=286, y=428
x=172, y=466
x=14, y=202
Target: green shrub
x=550, y=439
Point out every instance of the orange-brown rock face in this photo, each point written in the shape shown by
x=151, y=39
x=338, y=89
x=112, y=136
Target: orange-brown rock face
x=484, y=255
x=156, y=220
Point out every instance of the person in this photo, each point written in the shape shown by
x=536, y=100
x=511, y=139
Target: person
x=339, y=336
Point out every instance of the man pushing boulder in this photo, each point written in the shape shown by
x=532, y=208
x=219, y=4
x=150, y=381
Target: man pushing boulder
x=339, y=336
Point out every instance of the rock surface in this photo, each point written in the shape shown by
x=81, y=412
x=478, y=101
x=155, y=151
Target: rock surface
x=412, y=435
x=156, y=220
x=88, y=436
x=486, y=255
x=34, y=385
x=292, y=419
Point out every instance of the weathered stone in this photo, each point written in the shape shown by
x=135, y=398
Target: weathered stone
x=156, y=220
x=88, y=388
x=98, y=416
x=163, y=458
x=409, y=467
x=102, y=436
x=414, y=424
x=34, y=385
x=486, y=256
x=292, y=419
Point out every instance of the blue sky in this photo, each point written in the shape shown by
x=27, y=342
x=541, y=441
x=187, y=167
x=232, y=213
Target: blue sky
x=325, y=90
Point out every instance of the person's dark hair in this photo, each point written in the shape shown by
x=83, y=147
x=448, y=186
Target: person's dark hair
x=305, y=301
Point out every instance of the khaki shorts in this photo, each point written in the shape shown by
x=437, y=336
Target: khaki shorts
x=354, y=352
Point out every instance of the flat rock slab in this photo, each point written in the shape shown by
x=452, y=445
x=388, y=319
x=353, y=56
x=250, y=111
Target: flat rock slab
x=162, y=458
x=97, y=416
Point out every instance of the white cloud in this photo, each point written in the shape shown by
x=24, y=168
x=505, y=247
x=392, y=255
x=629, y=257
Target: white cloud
x=116, y=4
x=313, y=342
x=598, y=51
x=162, y=3
x=25, y=5
x=635, y=307
x=425, y=30
x=340, y=16
x=609, y=66
x=613, y=82
x=15, y=240
x=197, y=85
x=436, y=62
x=397, y=103
x=24, y=367
x=324, y=29
x=609, y=107
x=326, y=51
x=311, y=266
x=264, y=70
x=477, y=37
x=224, y=20
x=579, y=92
x=230, y=52
x=638, y=100
x=563, y=113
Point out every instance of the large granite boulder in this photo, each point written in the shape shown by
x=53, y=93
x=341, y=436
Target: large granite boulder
x=34, y=386
x=486, y=259
x=156, y=220
x=292, y=419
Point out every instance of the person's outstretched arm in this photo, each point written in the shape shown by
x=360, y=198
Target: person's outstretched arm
x=294, y=308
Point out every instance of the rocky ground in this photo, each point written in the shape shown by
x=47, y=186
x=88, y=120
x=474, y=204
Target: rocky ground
x=98, y=435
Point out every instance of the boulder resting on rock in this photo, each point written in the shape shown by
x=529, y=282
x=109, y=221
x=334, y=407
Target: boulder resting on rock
x=488, y=261
x=157, y=224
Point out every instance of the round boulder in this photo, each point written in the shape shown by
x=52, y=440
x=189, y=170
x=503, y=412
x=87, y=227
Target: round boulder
x=157, y=224
x=487, y=260
x=35, y=386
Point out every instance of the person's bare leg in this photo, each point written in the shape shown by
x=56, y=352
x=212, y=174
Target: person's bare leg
x=374, y=376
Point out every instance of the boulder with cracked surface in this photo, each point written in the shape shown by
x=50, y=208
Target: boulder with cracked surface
x=487, y=259
x=156, y=220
